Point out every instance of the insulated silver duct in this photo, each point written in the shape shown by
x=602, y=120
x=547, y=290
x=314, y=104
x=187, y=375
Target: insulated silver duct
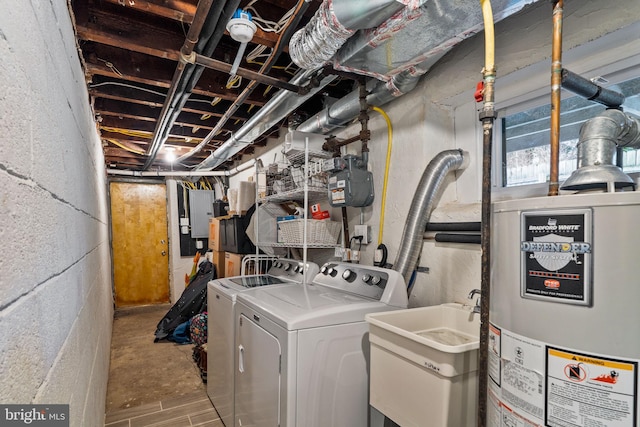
x=347, y=108
x=331, y=26
x=599, y=139
x=421, y=207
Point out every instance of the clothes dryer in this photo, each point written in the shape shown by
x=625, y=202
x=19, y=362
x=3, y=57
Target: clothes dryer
x=221, y=298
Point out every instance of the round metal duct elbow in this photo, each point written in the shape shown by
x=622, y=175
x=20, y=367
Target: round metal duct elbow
x=599, y=139
x=421, y=208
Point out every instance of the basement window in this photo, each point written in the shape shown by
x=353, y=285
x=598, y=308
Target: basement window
x=525, y=137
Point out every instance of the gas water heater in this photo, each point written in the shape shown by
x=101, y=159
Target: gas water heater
x=564, y=339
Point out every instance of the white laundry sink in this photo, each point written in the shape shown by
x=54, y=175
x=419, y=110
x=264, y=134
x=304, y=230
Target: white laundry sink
x=424, y=365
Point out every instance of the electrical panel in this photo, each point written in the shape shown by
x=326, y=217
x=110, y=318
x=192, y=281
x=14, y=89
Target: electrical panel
x=200, y=209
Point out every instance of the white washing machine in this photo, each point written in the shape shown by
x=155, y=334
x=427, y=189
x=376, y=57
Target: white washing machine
x=221, y=298
x=302, y=351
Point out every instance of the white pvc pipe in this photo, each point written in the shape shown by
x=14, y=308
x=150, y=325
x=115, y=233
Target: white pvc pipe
x=229, y=172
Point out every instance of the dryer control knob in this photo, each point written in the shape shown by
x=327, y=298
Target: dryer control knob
x=287, y=267
x=346, y=275
x=366, y=277
x=375, y=280
x=332, y=272
x=323, y=270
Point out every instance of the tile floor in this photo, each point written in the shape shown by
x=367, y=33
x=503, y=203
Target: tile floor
x=184, y=411
x=153, y=384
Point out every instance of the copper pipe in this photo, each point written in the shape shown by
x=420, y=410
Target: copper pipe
x=556, y=86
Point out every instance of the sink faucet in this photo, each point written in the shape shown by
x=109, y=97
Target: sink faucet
x=476, y=308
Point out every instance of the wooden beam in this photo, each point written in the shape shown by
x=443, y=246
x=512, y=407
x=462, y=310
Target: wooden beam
x=145, y=98
x=176, y=142
x=109, y=39
x=121, y=64
x=143, y=112
x=138, y=125
x=172, y=9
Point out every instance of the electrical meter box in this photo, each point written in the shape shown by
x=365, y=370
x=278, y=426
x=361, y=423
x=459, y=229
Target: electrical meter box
x=350, y=184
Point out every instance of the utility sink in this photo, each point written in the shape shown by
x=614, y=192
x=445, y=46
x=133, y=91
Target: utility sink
x=424, y=364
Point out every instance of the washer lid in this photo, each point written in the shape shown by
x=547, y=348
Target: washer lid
x=309, y=306
x=230, y=286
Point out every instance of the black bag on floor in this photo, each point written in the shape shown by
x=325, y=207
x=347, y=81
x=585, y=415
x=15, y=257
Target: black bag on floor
x=192, y=301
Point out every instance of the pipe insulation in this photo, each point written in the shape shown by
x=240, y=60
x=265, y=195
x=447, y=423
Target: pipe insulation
x=599, y=139
x=591, y=91
x=421, y=207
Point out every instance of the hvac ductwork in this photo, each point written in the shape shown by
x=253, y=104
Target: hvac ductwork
x=348, y=107
x=397, y=49
x=421, y=207
x=333, y=24
x=599, y=139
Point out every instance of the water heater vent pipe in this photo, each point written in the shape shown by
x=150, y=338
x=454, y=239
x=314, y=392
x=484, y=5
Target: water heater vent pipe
x=597, y=144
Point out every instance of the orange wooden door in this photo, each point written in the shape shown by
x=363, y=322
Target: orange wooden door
x=139, y=243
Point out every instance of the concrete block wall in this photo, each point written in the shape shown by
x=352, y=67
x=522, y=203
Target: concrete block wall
x=55, y=264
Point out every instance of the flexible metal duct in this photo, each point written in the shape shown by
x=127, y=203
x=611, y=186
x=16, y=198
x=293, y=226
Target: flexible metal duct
x=599, y=139
x=421, y=207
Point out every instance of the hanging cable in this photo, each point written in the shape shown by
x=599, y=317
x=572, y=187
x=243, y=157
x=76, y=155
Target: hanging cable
x=124, y=147
x=386, y=170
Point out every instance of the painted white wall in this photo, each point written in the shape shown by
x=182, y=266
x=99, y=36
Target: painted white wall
x=440, y=114
x=55, y=281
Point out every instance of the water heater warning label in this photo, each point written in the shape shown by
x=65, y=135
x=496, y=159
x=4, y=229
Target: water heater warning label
x=585, y=390
x=556, y=255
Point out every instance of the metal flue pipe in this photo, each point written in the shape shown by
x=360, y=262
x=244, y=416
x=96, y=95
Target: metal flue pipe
x=600, y=137
x=423, y=202
x=556, y=86
x=348, y=108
